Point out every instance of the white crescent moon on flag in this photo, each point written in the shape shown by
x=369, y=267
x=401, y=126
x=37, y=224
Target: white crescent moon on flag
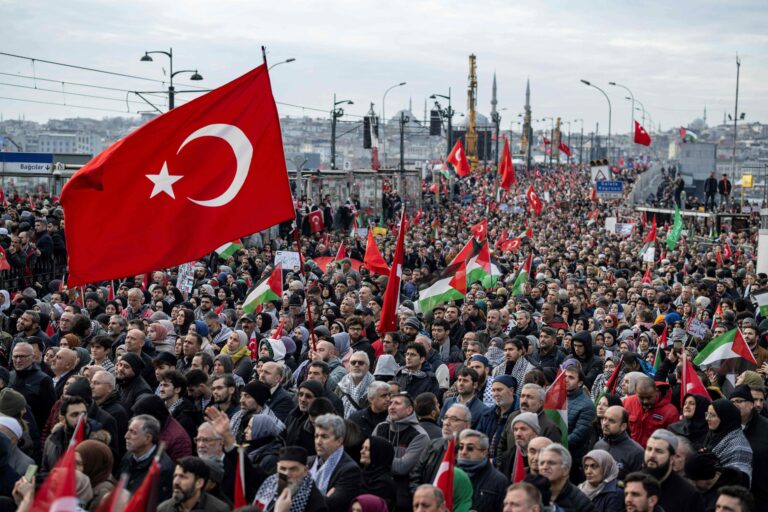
x=241, y=147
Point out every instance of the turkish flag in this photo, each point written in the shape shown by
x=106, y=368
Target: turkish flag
x=641, y=136
x=388, y=320
x=534, y=201
x=458, y=158
x=315, y=220
x=206, y=173
x=4, y=265
x=480, y=230
x=506, y=168
x=565, y=149
x=373, y=260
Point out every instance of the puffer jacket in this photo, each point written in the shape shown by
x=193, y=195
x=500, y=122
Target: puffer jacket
x=643, y=422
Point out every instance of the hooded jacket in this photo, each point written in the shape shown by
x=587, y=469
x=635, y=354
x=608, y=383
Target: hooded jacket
x=591, y=364
x=643, y=422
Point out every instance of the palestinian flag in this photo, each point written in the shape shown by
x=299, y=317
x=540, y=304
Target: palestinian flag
x=522, y=276
x=556, y=405
x=610, y=385
x=268, y=290
x=762, y=303
x=452, y=286
x=688, y=135
x=725, y=350
x=649, y=240
x=490, y=280
x=229, y=249
x=479, y=265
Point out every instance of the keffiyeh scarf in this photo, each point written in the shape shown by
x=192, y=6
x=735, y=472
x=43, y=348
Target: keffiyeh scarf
x=267, y=494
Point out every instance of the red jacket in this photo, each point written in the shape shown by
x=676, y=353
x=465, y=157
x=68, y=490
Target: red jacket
x=643, y=422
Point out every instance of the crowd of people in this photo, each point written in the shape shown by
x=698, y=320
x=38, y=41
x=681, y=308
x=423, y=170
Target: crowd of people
x=319, y=410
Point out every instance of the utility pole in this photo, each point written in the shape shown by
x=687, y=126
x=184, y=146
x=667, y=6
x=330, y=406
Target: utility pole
x=403, y=120
x=735, y=121
x=335, y=114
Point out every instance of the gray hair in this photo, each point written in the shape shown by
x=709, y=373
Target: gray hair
x=464, y=409
x=439, y=497
x=110, y=378
x=120, y=320
x=375, y=387
x=562, y=451
x=333, y=423
x=363, y=354
x=209, y=425
x=468, y=432
x=538, y=389
x=149, y=425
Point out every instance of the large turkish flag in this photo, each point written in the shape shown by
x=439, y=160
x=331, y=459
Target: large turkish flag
x=206, y=173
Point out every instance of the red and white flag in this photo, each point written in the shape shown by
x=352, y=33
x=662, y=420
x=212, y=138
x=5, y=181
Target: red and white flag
x=215, y=164
x=641, y=136
x=388, y=320
x=534, y=201
x=315, y=220
x=373, y=260
x=458, y=158
x=444, y=477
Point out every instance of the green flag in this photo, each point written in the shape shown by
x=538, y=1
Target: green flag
x=677, y=228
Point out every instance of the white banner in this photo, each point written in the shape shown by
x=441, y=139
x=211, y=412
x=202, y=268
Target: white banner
x=289, y=259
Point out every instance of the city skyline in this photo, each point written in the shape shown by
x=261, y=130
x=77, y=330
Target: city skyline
x=677, y=59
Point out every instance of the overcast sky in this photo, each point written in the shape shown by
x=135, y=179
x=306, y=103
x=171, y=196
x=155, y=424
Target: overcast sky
x=676, y=57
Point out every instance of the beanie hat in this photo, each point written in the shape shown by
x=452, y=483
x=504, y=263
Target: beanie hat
x=584, y=337
x=164, y=358
x=507, y=380
x=12, y=403
x=669, y=437
x=258, y=391
x=13, y=425
x=134, y=361
x=315, y=387
x=482, y=359
x=752, y=379
x=529, y=419
x=742, y=391
x=412, y=321
x=701, y=466
x=201, y=328
x=294, y=454
x=81, y=388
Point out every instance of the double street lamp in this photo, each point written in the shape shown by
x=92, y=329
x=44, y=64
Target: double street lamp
x=384, y=120
x=447, y=113
x=171, y=91
x=632, y=121
x=608, y=144
x=336, y=113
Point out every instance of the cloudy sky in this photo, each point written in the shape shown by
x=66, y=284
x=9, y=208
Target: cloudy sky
x=677, y=57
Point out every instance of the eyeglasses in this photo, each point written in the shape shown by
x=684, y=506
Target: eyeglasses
x=453, y=419
x=206, y=440
x=469, y=448
x=357, y=363
x=549, y=463
x=21, y=356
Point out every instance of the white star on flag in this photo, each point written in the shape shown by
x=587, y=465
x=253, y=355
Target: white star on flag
x=163, y=182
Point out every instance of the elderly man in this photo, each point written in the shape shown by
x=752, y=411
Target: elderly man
x=280, y=401
x=531, y=400
x=428, y=498
x=495, y=419
x=456, y=419
x=555, y=465
x=141, y=447
x=65, y=327
x=676, y=492
x=616, y=441
x=353, y=387
x=336, y=475
x=189, y=480
x=535, y=446
x=522, y=497
x=28, y=379
x=106, y=396
x=649, y=410
x=134, y=343
x=488, y=483
x=17, y=459
x=63, y=366
x=136, y=309
x=378, y=399
x=408, y=438
x=292, y=465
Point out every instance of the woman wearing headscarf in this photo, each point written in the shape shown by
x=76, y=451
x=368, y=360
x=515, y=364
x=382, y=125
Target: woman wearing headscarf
x=273, y=349
x=263, y=436
x=97, y=463
x=376, y=456
x=236, y=348
x=368, y=503
x=158, y=335
x=184, y=319
x=222, y=365
x=693, y=425
x=264, y=323
x=726, y=439
x=341, y=340
x=601, y=485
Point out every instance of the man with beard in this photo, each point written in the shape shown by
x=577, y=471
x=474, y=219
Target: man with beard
x=531, y=400
x=131, y=385
x=172, y=389
x=515, y=362
x=292, y=466
x=676, y=493
x=756, y=430
x=493, y=327
x=495, y=418
x=457, y=330
x=641, y=493
x=189, y=479
x=353, y=387
x=225, y=394
x=482, y=366
x=616, y=441
x=441, y=342
x=649, y=410
x=70, y=410
x=466, y=387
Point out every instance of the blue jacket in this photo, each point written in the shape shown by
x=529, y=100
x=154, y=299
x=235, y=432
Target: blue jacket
x=581, y=412
x=610, y=498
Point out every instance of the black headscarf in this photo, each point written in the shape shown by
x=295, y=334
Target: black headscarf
x=730, y=420
x=695, y=429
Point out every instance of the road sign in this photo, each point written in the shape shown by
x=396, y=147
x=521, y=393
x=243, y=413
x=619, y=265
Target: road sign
x=610, y=189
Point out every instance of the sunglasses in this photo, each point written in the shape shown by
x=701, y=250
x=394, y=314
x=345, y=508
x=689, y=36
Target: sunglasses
x=357, y=363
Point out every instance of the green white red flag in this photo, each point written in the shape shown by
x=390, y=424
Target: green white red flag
x=556, y=405
x=268, y=290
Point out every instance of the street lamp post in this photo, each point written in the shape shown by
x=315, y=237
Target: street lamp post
x=581, y=139
x=335, y=114
x=286, y=61
x=449, y=114
x=569, y=140
x=171, y=90
x=384, y=121
x=641, y=109
x=632, y=122
x=551, y=137
x=608, y=143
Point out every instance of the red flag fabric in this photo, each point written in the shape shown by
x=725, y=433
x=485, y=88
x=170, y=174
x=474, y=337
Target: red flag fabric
x=239, y=497
x=511, y=245
x=518, y=471
x=690, y=382
x=315, y=220
x=111, y=291
x=480, y=230
x=4, y=265
x=534, y=201
x=663, y=337
x=388, y=320
x=459, y=279
x=32, y=203
x=458, y=158
x=214, y=164
x=641, y=136
x=727, y=252
x=564, y=148
x=279, y=330
x=373, y=260
x=593, y=195
x=719, y=259
x=2, y=196
x=145, y=497
x=610, y=386
x=341, y=253
x=647, y=276
x=444, y=477
x=58, y=491
x=546, y=141
x=740, y=347
x=651, y=236
x=506, y=167
x=682, y=134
